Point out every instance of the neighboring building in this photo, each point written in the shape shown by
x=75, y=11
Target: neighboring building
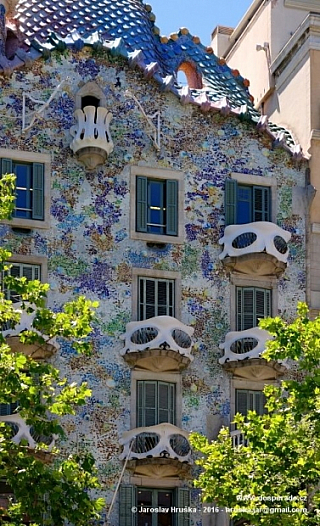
x=276, y=46
x=175, y=207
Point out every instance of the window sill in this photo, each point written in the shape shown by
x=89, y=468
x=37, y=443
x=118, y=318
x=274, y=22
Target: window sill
x=26, y=223
x=157, y=238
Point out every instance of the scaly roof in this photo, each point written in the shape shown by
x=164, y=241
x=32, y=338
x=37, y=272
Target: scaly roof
x=126, y=28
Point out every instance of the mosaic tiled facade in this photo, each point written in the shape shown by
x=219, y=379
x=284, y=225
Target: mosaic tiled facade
x=90, y=249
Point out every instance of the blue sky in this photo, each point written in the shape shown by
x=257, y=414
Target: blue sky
x=199, y=16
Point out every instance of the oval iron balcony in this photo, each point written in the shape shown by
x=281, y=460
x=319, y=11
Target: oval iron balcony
x=160, y=441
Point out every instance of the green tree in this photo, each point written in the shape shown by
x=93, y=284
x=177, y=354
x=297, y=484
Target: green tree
x=273, y=478
x=48, y=488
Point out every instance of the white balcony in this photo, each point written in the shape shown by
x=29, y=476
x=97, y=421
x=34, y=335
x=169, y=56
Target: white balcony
x=241, y=345
x=12, y=332
x=259, y=248
x=159, y=343
x=92, y=141
x=163, y=441
x=243, y=355
x=23, y=432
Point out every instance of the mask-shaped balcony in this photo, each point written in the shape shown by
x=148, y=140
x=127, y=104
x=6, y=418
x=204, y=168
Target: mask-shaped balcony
x=255, y=248
x=38, y=350
x=92, y=141
x=163, y=441
x=243, y=355
x=22, y=432
x=158, y=344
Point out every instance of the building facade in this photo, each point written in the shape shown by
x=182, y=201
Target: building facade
x=276, y=45
x=176, y=208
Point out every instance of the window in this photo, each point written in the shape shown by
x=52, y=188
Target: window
x=155, y=403
x=247, y=400
x=29, y=202
x=157, y=206
x=20, y=270
x=8, y=409
x=145, y=498
x=253, y=303
x=246, y=204
x=155, y=297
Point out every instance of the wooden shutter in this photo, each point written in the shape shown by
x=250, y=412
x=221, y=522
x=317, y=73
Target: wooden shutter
x=259, y=402
x=261, y=203
x=230, y=202
x=172, y=208
x=38, y=191
x=166, y=403
x=262, y=304
x=242, y=401
x=150, y=298
x=6, y=166
x=245, y=308
x=147, y=403
x=142, y=204
x=127, y=499
x=183, y=501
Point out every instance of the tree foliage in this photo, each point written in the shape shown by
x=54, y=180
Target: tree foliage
x=273, y=478
x=48, y=488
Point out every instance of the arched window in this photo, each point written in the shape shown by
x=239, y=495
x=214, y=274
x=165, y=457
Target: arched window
x=187, y=74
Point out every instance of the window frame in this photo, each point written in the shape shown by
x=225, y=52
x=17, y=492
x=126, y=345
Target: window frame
x=159, y=275
x=17, y=156
x=170, y=378
x=160, y=174
x=244, y=384
x=40, y=261
x=143, y=305
x=254, y=181
x=237, y=281
x=141, y=387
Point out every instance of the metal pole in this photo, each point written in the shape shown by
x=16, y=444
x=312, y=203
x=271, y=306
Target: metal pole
x=119, y=481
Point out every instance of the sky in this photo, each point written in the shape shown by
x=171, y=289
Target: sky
x=199, y=16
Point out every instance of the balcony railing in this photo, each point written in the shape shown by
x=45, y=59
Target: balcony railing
x=20, y=431
x=261, y=236
x=12, y=332
x=240, y=345
x=161, y=332
x=160, y=441
x=238, y=438
x=91, y=135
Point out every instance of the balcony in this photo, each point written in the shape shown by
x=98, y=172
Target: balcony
x=38, y=350
x=160, y=441
x=238, y=438
x=92, y=141
x=243, y=355
x=159, y=344
x=20, y=431
x=255, y=248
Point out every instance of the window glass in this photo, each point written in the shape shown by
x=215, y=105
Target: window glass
x=154, y=498
x=20, y=270
x=157, y=206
